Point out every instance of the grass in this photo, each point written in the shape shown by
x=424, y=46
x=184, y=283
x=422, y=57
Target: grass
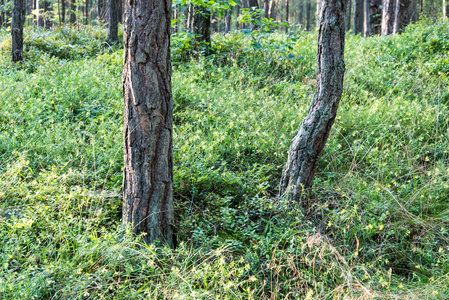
x=379, y=220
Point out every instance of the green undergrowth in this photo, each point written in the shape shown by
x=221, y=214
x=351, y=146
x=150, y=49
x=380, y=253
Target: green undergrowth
x=378, y=223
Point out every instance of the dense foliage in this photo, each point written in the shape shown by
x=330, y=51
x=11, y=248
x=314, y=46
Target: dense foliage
x=379, y=220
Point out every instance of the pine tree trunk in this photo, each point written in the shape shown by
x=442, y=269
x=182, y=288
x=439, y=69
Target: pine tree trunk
x=148, y=150
x=201, y=26
x=301, y=13
x=388, y=9
x=366, y=18
x=72, y=11
x=308, y=7
x=86, y=12
x=227, y=22
x=2, y=15
x=113, y=21
x=272, y=11
x=402, y=14
x=445, y=9
x=266, y=8
x=18, y=19
x=375, y=16
x=62, y=11
x=358, y=17
x=349, y=16
x=308, y=144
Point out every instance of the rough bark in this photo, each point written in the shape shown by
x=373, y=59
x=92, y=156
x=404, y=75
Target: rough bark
x=402, y=14
x=366, y=18
x=388, y=8
x=375, y=16
x=18, y=18
x=113, y=21
x=358, y=17
x=72, y=11
x=308, y=144
x=148, y=150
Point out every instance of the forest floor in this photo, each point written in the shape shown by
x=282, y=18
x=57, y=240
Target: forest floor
x=378, y=223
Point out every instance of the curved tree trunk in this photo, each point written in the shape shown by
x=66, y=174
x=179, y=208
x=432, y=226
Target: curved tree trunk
x=308, y=144
x=18, y=18
x=148, y=151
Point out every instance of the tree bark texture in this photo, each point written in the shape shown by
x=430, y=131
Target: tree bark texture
x=308, y=144
x=113, y=21
x=375, y=16
x=148, y=149
x=388, y=9
x=18, y=18
x=358, y=16
x=403, y=14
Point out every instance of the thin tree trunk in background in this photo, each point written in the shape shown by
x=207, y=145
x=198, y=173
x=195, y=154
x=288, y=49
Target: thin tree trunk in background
x=349, y=15
x=148, y=148
x=101, y=9
x=307, y=146
x=18, y=19
x=40, y=19
x=445, y=9
x=48, y=13
x=300, y=19
x=62, y=11
x=366, y=18
x=2, y=15
x=375, y=16
x=237, y=13
x=286, y=15
x=227, y=21
x=72, y=11
x=358, y=16
x=86, y=12
x=113, y=21
x=120, y=11
x=308, y=6
x=272, y=10
x=201, y=26
x=402, y=14
x=317, y=13
x=190, y=16
x=388, y=9
x=266, y=8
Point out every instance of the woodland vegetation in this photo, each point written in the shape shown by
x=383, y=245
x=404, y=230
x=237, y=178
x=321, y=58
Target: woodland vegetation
x=376, y=225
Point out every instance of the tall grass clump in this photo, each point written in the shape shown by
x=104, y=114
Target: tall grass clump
x=377, y=225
